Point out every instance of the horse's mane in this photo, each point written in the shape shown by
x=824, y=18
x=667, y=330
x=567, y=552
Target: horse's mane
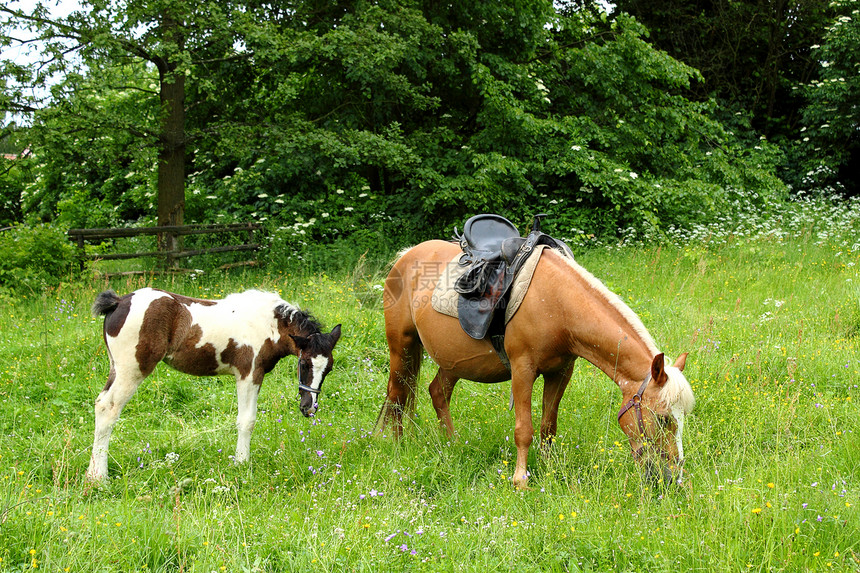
x=614, y=301
x=304, y=321
x=677, y=390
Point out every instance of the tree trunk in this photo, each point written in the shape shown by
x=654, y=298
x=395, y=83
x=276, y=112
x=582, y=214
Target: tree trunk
x=171, y=156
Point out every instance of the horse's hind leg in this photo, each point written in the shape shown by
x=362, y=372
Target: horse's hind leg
x=405, y=364
x=120, y=387
x=440, y=392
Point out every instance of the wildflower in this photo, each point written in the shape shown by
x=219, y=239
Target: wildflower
x=757, y=510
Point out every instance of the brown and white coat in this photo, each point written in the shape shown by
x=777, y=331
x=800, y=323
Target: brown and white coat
x=244, y=334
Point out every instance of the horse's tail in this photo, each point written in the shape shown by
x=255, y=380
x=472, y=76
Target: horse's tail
x=105, y=303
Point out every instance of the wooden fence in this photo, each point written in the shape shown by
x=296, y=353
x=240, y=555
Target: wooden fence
x=170, y=235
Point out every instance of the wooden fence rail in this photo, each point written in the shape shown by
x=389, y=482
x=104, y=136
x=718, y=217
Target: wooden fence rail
x=167, y=235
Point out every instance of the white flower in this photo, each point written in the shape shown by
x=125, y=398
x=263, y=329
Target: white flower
x=633, y=175
x=576, y=148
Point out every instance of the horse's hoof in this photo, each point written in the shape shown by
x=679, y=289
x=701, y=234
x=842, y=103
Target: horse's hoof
x=522, y=484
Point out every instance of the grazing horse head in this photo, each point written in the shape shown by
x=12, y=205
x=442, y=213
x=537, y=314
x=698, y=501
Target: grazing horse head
x=653, y=419
x=315, y=362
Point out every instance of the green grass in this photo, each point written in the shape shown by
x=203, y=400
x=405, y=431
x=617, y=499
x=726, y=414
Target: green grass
x=771, y=323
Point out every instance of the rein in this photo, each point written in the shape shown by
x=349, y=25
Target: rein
x=302, y=385
x=635, y=402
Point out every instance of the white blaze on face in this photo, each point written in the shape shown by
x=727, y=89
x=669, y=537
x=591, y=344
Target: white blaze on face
x=319, y=364
x=678, y=413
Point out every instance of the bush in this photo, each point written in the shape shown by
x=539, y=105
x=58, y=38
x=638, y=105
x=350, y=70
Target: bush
x=34, y=257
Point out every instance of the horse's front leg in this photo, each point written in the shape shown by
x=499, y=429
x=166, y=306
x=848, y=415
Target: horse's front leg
x=522, y=383
x=554, y=386
x=247, y=391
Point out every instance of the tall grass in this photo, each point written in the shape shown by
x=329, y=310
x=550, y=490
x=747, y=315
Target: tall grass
x=771, y=320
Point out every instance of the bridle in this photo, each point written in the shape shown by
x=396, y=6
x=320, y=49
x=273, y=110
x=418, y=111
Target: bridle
x=302, y=385
x=635, y=402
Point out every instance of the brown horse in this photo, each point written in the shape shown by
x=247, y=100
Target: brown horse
x=566, y=313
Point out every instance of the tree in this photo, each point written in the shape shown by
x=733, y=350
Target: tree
x=751, y=53
x=830, y=140
x=439, y=113
x=96, y=49
x=395, y=119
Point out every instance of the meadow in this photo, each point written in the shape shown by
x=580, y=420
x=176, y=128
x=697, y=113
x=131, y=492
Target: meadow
x=769, y=311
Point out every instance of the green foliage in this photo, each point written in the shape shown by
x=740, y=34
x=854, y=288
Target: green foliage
x=32, y=258
x=751, y=53
x=587, y=121
x=436, y=112
x=95, y=151
x=13, y=182
x=830, y=144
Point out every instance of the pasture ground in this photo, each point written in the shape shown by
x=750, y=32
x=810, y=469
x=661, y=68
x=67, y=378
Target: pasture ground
x=771, y=319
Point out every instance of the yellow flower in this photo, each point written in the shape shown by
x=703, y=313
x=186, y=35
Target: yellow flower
x=771, y=485
x=757, y=510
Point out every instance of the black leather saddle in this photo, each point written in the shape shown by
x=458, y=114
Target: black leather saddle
x=493, y=252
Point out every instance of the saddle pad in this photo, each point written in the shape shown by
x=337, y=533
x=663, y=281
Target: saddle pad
x=444, y=298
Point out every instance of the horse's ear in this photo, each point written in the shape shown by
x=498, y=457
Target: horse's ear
x=658, y=370
x=334, y=335
x=681, y=362
x=301, y=342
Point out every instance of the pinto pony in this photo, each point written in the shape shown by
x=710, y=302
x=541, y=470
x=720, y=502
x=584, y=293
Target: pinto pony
x=244, y=334
x=565, y=314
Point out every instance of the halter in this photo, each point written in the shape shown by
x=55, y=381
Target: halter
x=635, y=402
x=302, y=385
